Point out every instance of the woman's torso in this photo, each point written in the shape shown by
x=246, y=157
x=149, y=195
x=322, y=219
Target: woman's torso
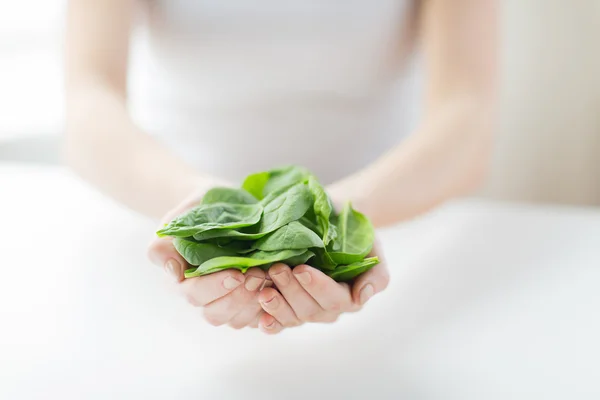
x=235, y=86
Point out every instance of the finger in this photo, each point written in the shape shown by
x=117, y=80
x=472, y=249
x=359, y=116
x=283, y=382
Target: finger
x=162, y=253
x=269, y=325
x=161, y=250
x=273, y=303
x=255, y=321
x=304, y=306
x=205, y=289
x=373, y=281
x=255, y=280
x=247, y=317
x=330, y=295
x=223, y=310
x=227, y=307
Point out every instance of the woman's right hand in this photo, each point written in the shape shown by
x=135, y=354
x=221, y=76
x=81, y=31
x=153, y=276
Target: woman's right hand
x=226, y=297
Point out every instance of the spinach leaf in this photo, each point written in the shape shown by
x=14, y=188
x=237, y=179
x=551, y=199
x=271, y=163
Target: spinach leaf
x=345, y=273
x=284, y=206
x=322, y=208
x=255, y=184
x=238, y=246
x=323, y=260
x=280, y=208
x=242, y=263
x=284, y=177
x=309, y=223
x=196, y=253
x=298, y=260
x=228, y=195
x=213, y=216
x=262, y=184
x=281, y=215
x=355, y=237
x=291, y=236
x=228, y=233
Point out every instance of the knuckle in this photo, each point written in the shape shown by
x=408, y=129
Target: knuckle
x=241, y=301
x=333, y=318
x=213, y=319
x=192, y=300
x=335, y=306
x=237, y=325
x=313, y=316
x=230, y=303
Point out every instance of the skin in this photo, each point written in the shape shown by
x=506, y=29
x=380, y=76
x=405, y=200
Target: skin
x=446, y=157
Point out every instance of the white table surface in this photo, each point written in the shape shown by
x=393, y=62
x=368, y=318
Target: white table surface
x=487, y=301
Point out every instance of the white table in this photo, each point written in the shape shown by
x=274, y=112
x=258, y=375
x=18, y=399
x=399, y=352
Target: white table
x=488, y=301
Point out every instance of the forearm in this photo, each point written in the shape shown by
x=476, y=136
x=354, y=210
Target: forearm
x=107, y=149
x=445, y=158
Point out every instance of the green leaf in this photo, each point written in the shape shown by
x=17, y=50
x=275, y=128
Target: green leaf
x=262, y=184
x=280, y=208
x=322, y=260
x=196, y=253
x=310, y=224
x=255, y=184
x=291, y=236
x=299, y=260
x=228, y=195
x=281, y=215
x=322, y=208
x=355, y=237
x=238, y=246
x=242, y=263
x=345, y=273
x=228, y=233
x=213, y=216
x=284, y=177
x=284, y=206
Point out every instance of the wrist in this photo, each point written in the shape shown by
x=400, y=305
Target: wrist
x=354, y=189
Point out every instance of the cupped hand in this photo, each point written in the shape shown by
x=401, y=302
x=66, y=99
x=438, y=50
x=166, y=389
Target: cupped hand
x=305, y=294
x=226, y=297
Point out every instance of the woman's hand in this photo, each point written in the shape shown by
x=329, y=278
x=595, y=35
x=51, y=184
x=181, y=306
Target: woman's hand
x=226, y=297
x=306, y=294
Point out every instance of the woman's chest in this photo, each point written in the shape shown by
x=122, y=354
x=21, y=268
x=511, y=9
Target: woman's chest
x=267, y=47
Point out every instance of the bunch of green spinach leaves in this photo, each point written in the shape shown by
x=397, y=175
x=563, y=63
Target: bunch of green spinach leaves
x=283, y=215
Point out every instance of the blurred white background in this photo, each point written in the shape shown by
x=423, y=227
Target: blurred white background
x=548, y=141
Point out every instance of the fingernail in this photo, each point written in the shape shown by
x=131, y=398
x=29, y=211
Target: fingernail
x=366, y=293
x=253, y=283
x=172, y=268
x=304, y=278
x=282, y=278
x=272, y=304
x=230, y=283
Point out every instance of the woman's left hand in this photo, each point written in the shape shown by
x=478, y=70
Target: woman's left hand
x=306, y=294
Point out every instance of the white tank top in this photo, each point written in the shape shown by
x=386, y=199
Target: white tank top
x=236, y=86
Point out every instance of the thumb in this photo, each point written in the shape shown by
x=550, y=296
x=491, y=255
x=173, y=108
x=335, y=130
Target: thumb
x=163, y=254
